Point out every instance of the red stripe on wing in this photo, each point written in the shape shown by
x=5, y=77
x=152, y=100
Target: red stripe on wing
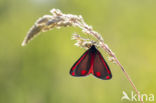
x=79, y=61
x=104, y=63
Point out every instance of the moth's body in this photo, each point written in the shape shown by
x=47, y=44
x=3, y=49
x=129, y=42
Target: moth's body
x=91, y=62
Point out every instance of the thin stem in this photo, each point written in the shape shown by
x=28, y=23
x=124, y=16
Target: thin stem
x=126, y=74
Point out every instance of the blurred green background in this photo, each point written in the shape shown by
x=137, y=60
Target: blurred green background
x=39, y=72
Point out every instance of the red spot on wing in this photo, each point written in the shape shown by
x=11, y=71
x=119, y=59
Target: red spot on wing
x=83, y=72
x=73, y=73
x=107, y=77
x=98, y=74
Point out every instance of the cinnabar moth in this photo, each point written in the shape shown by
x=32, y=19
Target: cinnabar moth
x=91, y=62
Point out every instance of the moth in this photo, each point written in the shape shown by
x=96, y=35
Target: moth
x=91, y=62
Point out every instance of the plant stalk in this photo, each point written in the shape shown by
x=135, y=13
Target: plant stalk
x=126, y=74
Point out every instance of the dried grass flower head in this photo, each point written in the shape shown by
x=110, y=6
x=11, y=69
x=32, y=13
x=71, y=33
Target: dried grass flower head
x=59, y=19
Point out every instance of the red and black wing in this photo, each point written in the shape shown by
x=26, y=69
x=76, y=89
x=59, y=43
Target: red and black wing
x=82, y=66
x=100, y=68
x=91, y=62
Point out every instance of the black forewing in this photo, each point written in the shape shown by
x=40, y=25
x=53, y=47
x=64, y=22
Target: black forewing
x=100, y=68
x=82, y=65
